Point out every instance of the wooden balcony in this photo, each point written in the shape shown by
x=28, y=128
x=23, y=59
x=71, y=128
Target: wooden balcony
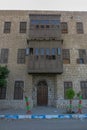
x=45, y=64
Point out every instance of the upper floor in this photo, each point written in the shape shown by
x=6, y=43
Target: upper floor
x=45, y=35
x=18, y=22
x=45, y=27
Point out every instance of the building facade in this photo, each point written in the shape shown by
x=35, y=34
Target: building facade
x=46, y=53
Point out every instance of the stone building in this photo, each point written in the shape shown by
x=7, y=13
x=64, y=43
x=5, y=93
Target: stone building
x=46, y=53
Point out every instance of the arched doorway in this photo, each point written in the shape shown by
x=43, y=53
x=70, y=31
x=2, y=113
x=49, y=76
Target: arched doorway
x=42, y=93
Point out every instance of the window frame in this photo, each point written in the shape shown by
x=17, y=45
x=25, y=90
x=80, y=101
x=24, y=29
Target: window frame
x=79, y=28
x=21, y=56
x=18, y=90
x=2, y=93
x=83, y=84
x=59, y=51
x=7, y=27
x=4, y=55
x=67, y=85
x=42, y=51
x=82, y=56
x=23, y=27
x=64, y=27
x=66, y=56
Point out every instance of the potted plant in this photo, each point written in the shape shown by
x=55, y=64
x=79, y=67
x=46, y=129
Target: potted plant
x=70, y=95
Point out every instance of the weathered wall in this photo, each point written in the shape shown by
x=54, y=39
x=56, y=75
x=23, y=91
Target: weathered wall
x=71, y=72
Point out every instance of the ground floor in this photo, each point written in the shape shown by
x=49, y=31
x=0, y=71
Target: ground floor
x=42, y=90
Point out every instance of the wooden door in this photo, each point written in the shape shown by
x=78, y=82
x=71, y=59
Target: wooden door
x=42, y=94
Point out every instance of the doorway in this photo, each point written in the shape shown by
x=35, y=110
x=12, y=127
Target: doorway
x=42, y=93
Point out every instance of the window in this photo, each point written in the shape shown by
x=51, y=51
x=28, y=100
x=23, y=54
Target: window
x=2, y=92
x=7, y=27
x=27, y=51
x=47, y=53
x=58, y=51
x=42, y=26
x=53, y=53
x=66, y=56
x=42, y=51
x=45, y=22
x=21, y=56
x=79, y=27
x=36, y=53
x=18, y=90
x=37, y=26
x=4, y=55
x=82, y=56
x=23, y=27
x=64, y=27
x=80, y=61
x=31, y=51
x=47, y=26
x=67, y=85
x=83, y=85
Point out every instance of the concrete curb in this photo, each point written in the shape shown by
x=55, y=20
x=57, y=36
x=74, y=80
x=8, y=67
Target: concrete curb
x=60, y=116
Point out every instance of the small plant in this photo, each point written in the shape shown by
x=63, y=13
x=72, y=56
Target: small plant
x=70, y=95
x=3, y=75
x=78, y=94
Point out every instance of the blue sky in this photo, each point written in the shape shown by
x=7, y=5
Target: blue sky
x=68, y=5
